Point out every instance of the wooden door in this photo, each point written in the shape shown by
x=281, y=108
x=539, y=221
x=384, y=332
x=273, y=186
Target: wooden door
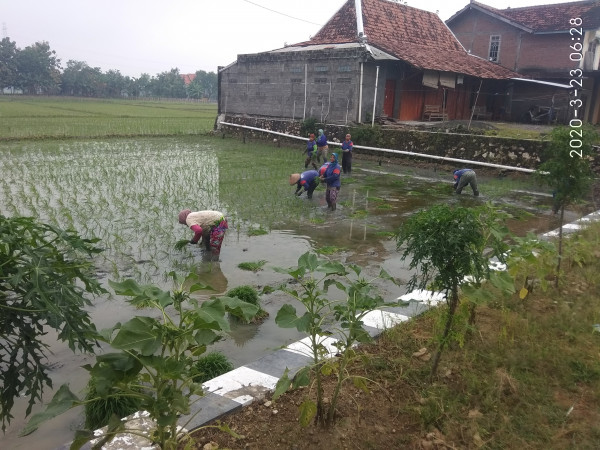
x=389, y=98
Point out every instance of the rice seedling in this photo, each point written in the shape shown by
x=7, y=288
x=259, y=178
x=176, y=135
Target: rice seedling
x=211, y=366
x=249, y=295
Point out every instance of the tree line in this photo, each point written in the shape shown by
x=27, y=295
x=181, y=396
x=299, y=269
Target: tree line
x=36, y=70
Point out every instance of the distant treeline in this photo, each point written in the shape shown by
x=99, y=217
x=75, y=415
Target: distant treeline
x=36, y=70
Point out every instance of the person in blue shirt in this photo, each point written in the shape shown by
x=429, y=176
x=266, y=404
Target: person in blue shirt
x=463, y=177
x=309, y=180
x=347, y=147
x=331, y=176
x=311, y=151
x=322, y=147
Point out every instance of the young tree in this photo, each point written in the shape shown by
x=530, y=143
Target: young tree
x=567, y=171
x=447, y=245
x=45, y=280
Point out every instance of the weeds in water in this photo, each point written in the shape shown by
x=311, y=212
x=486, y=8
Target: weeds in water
x=330, y=250
x=257, y=231
x=253, y=266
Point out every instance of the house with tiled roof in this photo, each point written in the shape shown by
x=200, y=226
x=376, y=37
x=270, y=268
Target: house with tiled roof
x=556, y=43
x=187, y=78
x=372, y=58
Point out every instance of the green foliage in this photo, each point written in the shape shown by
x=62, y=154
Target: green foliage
x=249, y=295
x=308, y=125
x=158, y=354
x=565, y=172
x=315, y=276
x=568, y=172
x=45, y=280
x=210, y=366
x=100, y=410
x=530, y=263
x=448, y=245
x=367, y=135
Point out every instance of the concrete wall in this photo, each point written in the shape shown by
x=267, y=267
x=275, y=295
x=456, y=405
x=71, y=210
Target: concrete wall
x=297, y=85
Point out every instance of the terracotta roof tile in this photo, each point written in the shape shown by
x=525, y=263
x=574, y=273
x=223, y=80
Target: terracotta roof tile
x=418, y=37
x=555, y=17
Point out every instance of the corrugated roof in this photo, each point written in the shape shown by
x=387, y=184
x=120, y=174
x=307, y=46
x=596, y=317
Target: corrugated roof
x=416, y=36
x=549, y=18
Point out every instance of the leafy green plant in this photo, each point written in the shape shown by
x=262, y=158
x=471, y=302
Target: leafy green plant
x=315, y=276
x=308, y=125
x=155, y=358
x=568, y=173
x=530, y=262
x=210, y=366
x=249, y=295
x=447, y=245
x=253, y=266
x=45, y=280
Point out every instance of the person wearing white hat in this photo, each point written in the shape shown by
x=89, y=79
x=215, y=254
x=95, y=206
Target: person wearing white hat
x=210, y=226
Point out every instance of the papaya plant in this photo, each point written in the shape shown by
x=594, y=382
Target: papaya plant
x=46, y=280
x=155, y=359
x=324, y=317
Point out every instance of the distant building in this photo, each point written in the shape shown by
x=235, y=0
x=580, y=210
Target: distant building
x=188, y=78
x=372, y=58
x=548, y=43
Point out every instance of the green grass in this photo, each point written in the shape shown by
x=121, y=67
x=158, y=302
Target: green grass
x=529, y=375
x=57, y=117
x=508, y=130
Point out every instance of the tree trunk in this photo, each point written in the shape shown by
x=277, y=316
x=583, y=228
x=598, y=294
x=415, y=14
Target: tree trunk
x=560, y=239
x=452, y=304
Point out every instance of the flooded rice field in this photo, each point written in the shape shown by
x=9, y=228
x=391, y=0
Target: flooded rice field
x=128, y=193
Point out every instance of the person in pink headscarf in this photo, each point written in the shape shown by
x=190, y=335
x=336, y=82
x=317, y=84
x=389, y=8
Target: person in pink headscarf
x=210, y=226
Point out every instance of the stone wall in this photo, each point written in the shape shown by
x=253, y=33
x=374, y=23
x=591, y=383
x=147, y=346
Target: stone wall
x=509, y=152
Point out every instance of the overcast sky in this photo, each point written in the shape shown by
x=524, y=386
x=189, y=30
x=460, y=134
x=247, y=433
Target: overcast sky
x=154, y=36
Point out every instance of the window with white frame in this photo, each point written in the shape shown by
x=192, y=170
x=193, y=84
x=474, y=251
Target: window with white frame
x=494, y=54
